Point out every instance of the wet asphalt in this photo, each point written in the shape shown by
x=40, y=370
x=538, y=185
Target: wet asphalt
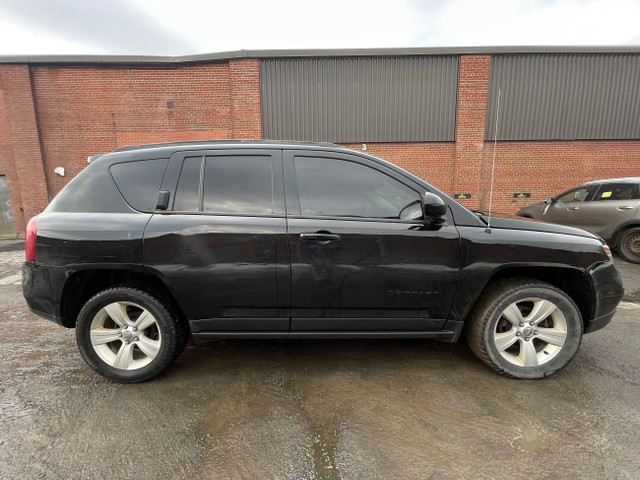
x=322, y=409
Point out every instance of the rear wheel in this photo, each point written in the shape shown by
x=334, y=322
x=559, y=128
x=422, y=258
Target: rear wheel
x=629, y=245
x=525, y=328
x=128, y=335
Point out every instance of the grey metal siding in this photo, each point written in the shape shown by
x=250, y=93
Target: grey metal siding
x=565, y=97
x=380, y=99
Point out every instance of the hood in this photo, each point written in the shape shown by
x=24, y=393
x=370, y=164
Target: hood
x=518, y=223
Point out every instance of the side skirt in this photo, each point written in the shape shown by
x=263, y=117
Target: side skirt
x=443, y=335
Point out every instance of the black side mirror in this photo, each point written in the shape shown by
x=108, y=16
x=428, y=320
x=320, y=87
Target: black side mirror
x=434, y=208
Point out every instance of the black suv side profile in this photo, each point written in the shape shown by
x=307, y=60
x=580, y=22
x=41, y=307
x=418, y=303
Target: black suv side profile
x=151, y=245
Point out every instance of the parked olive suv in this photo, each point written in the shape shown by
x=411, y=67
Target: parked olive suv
x=152, y=245
x=609, y=208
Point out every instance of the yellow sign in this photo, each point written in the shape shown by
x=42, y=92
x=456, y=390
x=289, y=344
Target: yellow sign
x=605, y=194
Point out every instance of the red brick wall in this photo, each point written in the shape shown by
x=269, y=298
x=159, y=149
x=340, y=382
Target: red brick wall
x=85, y=111
x=547, y=168
x=20, y=156
x=245, y=98
x=430, y=161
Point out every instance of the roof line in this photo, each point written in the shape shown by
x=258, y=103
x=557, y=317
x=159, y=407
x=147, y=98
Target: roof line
x=348, y=52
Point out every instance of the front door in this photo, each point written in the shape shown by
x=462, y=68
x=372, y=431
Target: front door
x=566, y=208
x=360, y=259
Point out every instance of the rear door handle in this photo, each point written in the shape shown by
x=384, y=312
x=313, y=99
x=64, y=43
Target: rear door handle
x=625, y=207
x=320, y=237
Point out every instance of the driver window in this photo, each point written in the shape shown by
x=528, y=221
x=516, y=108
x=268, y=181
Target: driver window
x=575, y=195
x=331, y=187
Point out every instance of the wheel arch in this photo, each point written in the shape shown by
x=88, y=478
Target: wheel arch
x=83, y=284
x=615, y=238
x=571, y=281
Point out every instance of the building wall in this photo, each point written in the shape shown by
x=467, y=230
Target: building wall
x=20, y=154
x=54, y=116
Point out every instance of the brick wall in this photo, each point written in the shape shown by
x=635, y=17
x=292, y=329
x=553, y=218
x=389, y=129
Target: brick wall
x=57, y=116
x=84, y=111
x=20, y=155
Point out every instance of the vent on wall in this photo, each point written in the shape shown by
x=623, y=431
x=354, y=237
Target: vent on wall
x=360, y=99
x=565, y=97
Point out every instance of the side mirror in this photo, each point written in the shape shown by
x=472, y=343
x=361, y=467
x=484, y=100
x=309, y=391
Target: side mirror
x=549, y=201
x=434, y=208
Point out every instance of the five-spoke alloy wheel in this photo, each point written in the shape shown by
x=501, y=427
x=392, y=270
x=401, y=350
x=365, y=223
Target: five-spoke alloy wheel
x=128, y=335
x=525, y=328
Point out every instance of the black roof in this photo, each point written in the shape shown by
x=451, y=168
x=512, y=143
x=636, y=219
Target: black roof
x=169, y=147
x=214, y=143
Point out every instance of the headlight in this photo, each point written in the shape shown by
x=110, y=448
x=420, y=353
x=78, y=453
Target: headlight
x=607, y=250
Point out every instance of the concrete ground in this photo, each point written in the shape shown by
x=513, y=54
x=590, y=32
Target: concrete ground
x=348, y=409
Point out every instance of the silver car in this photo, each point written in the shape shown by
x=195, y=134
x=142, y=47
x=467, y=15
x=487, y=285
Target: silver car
x=609, y=208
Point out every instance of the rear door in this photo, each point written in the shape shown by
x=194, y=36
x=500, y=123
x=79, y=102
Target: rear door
x=611, y=206
x=355, y=264
x=221, y=245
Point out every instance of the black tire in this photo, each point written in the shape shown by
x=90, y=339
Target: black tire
x=147, y=352
x=490, y=332
x=629, y=245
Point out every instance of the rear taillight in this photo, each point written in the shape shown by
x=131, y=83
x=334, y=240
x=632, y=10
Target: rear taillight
x=30, y=239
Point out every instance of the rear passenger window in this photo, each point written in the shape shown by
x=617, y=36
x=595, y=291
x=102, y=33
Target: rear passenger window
x=617, y=191
x=238, y=185
x=139, y=182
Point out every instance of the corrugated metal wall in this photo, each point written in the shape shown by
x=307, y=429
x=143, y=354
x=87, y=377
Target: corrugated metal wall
x=565, y=97
x=359, y=99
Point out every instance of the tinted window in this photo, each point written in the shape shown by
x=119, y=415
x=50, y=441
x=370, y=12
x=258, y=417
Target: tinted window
x=238, y=185
x=139, y=182
x=91, y=191
x=329, y=187
x=576, y=195
x=188, y=189
x=617, y=191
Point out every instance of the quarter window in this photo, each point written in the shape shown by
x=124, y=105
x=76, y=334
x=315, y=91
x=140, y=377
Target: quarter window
x=139, y=182
x=331, y=187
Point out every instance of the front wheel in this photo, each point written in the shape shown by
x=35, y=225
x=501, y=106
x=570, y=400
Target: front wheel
x=629, y=245
x=128, y=335
x=525, y=328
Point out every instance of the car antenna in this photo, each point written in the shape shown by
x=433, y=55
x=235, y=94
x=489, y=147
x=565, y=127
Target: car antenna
x=493, y=163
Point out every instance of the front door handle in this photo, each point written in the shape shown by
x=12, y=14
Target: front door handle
x=625, y=207
x=573, y=208
x=320, y=237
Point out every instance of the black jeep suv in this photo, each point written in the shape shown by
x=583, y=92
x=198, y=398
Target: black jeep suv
x=152, y=245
